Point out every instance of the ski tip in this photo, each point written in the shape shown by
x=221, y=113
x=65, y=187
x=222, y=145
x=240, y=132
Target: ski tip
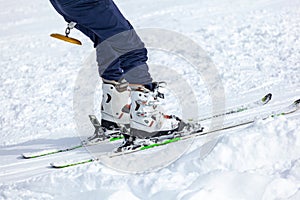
x=297, y=102
x=266, y=98
x=25, y=156
x=53, y=165
x=29, y=155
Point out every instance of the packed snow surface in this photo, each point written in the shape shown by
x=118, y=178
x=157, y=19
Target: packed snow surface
x=255, y=45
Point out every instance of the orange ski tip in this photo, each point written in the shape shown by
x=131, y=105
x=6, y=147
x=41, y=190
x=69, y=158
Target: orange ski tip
x=65, y=38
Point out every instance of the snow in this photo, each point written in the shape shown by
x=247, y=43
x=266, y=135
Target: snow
x=255, y=46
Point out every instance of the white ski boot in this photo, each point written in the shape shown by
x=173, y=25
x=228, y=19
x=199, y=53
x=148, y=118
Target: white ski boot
x=146, y=119
x=114, y=111
x=115, y=105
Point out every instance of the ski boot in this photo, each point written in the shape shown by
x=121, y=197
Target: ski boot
x=148, y=124
x=114, y=111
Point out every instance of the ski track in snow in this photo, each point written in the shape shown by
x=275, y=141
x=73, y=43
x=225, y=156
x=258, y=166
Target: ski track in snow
x=256, y=48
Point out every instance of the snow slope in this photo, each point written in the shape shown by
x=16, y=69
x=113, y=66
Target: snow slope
x=254, y=44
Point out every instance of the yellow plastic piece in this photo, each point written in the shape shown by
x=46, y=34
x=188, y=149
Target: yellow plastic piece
x=65, y=38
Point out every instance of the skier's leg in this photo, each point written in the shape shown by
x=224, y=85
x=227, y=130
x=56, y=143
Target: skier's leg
x=104, y=19
x=124, y=56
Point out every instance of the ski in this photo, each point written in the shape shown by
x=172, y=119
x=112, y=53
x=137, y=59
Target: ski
x=295, y=106
x=97, y=126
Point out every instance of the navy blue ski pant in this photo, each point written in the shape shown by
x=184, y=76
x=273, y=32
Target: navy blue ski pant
x=120, y=52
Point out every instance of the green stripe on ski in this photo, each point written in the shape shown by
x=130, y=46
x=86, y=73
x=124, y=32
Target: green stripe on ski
x=72, y=164
x=279, y=114
x=160, y=144
x=242, y=109
x=53, y=152
x=116, y=138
